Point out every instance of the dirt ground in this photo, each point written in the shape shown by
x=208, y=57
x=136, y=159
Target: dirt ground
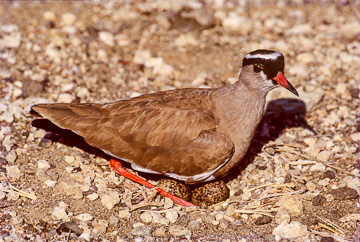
x=300, y=178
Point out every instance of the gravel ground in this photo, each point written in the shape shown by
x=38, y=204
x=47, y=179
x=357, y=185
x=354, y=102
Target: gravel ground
x=300, y=179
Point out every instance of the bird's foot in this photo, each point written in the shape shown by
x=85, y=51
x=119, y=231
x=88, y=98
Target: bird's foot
x=118, y=168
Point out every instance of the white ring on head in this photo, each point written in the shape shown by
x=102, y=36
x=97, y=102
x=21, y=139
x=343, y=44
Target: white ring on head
x=271, y=56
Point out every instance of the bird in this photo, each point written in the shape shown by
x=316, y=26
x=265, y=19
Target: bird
x=195, y=135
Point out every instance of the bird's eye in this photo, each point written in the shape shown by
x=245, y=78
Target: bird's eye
x=257, y=68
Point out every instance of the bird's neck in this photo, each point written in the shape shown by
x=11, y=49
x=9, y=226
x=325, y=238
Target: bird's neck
x=240, y=101
x=239, y=110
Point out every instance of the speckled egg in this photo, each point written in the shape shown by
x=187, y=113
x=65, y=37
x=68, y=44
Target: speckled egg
x=210, y=193
x=176, y=188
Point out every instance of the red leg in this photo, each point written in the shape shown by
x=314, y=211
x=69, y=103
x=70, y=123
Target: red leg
x=116, y=165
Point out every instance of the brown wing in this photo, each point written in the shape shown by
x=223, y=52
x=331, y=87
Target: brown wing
x=148, y=130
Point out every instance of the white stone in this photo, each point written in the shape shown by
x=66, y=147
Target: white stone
x=11, y=157
x=341, y=88
x=93, y=196
x=11, y=40
x=318, y=167
x=69, y=169
x=50, y=183
x=172, y=216
x=141, y=56
x=17, y=92
x=324, y=155
x=69, y=30
x=355, y=136
x=49, y=16
x=86, y=236
x=159, y=219
x=122, y=40
x=324, y=182
x=107, y=38
x=290, y=231
x=102, y=55
x=65, y=98
x=13, y=195
x=68, y=19
x=2, y=194
x=7, y=117
x=300, y=29
x=292, y=203
x=84, y=217
x=43, y=164
x=146, y=217
x=185, y=40
x=233, y=21
x=83, y=92
x=282, y=216
x=124, y=213
x=69, y=159
x=67, y=87
x=13, y=171
x=63, y=205
x=168, y=203
x=177, y=230
x=53, y=53
x=8, y=142
x=310, y=141
x=60, y=214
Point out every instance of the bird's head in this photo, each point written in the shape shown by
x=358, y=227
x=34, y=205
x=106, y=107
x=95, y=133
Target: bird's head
x=267, y=66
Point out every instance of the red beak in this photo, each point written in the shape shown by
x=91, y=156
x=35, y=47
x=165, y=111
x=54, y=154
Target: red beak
x=280, y=78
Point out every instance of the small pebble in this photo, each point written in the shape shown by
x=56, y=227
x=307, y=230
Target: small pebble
x=43, y=164
x=84, y=217
x=114, y=220
x=60, y=214
x=50, y=183
x=318, y=200
x=68, y=19
x=263, y=220
x=329, y=174
x=172, y=216
x=69, y=159
x=194, y=225
x=177, y=231
x=65, y=98
x=160, y=232
x=282, y=216
x=100, y=226
x=107, y=38
x=146, y=217
x=11, y=157
x=355, y=137
x=110, y=199
x=141, y=231
x=13, y=171
x=290, y=231
x=124, y=213
x=318, y=167
x=159, y=219
x=93, y=196
x=293, y=204
x=49, y=16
